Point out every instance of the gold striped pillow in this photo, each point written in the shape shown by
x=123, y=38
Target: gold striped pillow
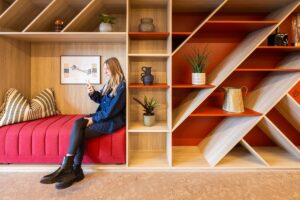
x=16, y=107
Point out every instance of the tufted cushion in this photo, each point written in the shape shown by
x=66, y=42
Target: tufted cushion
x=45, y=141
x=16, y=108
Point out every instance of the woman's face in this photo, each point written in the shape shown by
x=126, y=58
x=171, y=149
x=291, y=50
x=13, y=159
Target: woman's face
x=106, y=71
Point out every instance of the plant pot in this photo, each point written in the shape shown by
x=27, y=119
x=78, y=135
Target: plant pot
x=149, y=120
x=105, y=27
x=198, y=78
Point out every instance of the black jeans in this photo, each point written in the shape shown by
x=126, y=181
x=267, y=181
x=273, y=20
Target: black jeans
x=80, y=133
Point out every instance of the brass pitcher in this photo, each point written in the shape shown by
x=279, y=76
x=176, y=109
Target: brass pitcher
x=234, y=99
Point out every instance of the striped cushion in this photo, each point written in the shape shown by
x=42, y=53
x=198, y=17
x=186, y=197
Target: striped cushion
x=16, y=108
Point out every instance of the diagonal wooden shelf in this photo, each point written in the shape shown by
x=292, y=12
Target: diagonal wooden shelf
x=155, y=85
x=148, y=35
x=205, y=111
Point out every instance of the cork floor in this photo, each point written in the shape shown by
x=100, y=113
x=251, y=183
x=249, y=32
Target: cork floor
x=256, y=185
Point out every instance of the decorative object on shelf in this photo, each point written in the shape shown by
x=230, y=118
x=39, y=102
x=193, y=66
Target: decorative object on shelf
x=58, y=25
x=80, y=69
x=296, y=30
x=106, y=22
x=146, y=76
x=233, y=99
x=146, y=25
x=149, y=106
x=278, y=39
x=198, y=61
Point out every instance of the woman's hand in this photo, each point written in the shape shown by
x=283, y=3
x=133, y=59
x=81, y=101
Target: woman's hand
x=90, y=121
x=90, y=89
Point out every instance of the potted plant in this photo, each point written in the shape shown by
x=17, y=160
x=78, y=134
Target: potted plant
x=198, y=60
x=106, y=22
x=149, y=106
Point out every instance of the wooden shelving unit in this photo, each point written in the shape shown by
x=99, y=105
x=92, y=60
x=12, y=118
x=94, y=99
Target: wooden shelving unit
x=191, y=130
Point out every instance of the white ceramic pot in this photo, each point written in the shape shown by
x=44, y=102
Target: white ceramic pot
x=105, y=27
x=198, y=78
x=149, y=120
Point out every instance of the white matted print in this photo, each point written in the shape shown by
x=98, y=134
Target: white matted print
x=80, y=69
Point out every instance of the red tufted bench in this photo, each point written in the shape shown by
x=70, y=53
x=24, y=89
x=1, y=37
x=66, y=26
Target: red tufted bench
x=45, y=141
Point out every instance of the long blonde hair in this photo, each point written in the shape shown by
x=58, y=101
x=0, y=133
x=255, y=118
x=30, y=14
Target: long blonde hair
x=117, y=75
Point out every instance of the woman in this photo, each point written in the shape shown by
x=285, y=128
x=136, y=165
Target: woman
x=110, y=116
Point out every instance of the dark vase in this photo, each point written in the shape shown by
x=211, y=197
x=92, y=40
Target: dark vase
x=146, y=76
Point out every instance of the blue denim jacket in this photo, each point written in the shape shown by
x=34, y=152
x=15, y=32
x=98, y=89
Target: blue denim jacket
x=111, y=113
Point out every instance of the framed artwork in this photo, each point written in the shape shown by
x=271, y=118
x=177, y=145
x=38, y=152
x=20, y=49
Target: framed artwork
x=80, y=69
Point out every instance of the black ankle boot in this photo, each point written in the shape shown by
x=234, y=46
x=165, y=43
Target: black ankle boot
x=64, y=169
x=75, y=176
x=78, y=172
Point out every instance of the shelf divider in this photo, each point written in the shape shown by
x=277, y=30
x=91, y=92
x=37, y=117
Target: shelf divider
x=290, y=109
x=278, y=137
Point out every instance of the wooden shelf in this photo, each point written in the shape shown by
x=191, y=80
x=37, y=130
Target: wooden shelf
x=115, y=37
x=188, y=156
x=148, y=55
x=155, y=85
x=148, y=35
x=218, y=112
x=277, y=157
x=236, y=26
x=283, y=49
x=267, y=70
x=185, y=86
x=139, y=127
x=181, y=34
x=151, y=159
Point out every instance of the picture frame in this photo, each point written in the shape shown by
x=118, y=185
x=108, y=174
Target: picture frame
x=80, y=69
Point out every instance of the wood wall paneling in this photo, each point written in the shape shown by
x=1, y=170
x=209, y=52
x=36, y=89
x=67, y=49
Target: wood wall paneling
x=45, y=72
x=14, y=66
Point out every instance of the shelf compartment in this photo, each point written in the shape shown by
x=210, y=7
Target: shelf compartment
x=295, y=92
x=68, y=37
x=136, y=114
x=158, y=69
x=140, y=85
x=21, y=13
x=147, y=46
x=148, y=35
x=290, y=110
x=240, y=157
x=138, y=126
x=148, y=149
x=205, y=111
x=188, y=157
x=184, y=86
x=5, y=4
x=181, y=34
x=277, y=157
x=65, y=10
x=88, y=19
x=156, y=10
x=267, y=126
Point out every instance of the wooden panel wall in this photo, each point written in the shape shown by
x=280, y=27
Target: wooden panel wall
x=45, y=59
x=14, y=66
